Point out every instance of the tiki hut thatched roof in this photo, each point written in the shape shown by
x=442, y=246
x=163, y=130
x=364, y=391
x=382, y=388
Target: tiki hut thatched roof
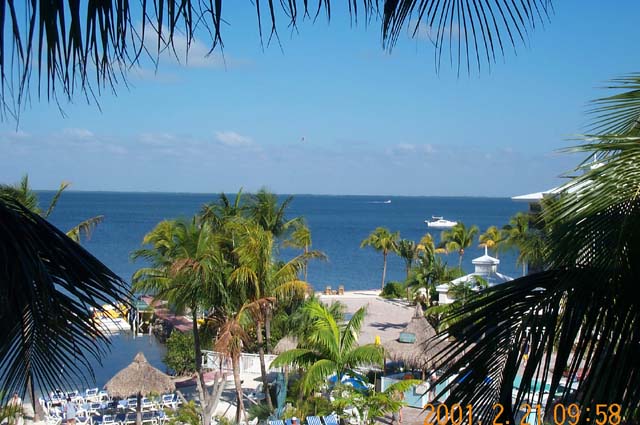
x=139, y=377
x=285, y=344
x=419, y=354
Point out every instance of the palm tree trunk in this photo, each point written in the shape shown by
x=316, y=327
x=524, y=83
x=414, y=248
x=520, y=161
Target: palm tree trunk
x=202, y=393
x=384, y=269
x=306, y=262
x=460, y=254
x=267, y=329
x=239, y=396
x=263, y=368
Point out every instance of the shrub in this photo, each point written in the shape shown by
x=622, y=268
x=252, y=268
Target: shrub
x=180, y=357
x=393, y=290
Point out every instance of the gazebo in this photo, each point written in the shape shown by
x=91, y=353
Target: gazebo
x=140, y=379
x=415, y=346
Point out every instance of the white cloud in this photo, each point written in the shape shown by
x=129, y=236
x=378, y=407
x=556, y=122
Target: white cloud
x=233, y=139
x=78, y=133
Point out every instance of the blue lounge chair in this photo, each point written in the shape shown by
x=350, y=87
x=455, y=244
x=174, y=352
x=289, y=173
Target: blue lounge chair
x=314, y=420
x=331, y=420
x=276, y=422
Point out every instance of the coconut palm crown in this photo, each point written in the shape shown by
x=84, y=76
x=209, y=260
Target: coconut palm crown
x=382, y=240
x=330, y=349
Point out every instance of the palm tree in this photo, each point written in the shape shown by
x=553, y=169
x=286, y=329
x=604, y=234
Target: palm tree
x=218, y=213
x=330, y=349
x=23, y=193
x=458, y=238
x=381, y=239
x=188, y=271
x=50, y=286
x=408, y=251
x=528, y=240
x=496, y=26
x=232, y=337
x=301, y=238
x=581, y=311
x=263, y=208
x=493, y=239
x=259, y=277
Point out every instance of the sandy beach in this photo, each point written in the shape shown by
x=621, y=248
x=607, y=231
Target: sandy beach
x=385, y=318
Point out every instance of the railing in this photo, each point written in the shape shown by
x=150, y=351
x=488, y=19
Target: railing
x=249, y=363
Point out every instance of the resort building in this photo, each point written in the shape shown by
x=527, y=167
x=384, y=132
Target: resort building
x=486, y=268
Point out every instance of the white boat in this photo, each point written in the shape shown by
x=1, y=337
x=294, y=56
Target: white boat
x=440, y=223
x=111, y=319
x=388, y=201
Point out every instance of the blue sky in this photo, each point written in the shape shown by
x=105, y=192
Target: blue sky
x=372, y=122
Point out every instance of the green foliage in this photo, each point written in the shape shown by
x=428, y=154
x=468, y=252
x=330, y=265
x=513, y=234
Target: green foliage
x=382, y=240
x=393, y=290
x=181, y=354
x=187, y=414
x=260, y=411
x=370, y=403
x=329, y=348
x=458, y=238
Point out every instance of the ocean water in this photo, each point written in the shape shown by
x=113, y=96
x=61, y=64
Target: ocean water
x=338, y=225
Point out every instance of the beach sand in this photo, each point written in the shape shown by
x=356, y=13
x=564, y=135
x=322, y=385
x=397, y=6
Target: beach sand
x=385, y=318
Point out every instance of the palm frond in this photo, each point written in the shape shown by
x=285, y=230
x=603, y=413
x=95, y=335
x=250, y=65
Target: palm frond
x=352, y=329
x=368, y=354
x=85, y=227
x=317, y=374
x=90, y=49
x=56, y=198
x=50, y=286
x=618, y=114
x=296, y=357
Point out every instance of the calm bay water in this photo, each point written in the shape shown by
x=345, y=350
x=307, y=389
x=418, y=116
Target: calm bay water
x=338, y=225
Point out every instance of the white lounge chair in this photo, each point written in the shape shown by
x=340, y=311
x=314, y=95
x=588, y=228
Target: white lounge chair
x=170, y=401
x=53, y=420
x=146, y=404
x=103, y=396
x=84, y=419
x=132, y=403
x=91, y=395
x=108, y=420
x=129, y=418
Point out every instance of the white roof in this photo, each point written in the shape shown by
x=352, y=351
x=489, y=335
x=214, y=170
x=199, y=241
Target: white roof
x=536, y=196
x=486, y=259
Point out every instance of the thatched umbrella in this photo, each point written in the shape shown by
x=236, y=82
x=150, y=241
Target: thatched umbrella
x=141, y=379
x=415, y=345
x=285, y=344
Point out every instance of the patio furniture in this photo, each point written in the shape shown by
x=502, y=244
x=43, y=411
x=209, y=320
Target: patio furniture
x=103, y=396
x=91, y=395
x=149, y=418
x=331, y=419
x=108, y=420
x=147, y=404
x=132, y=403
x=53, y=420
x=170, y=401
x=129, y=418
x=94, y=408
x=314, y=420
x=276, y=422
x=84, y=419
